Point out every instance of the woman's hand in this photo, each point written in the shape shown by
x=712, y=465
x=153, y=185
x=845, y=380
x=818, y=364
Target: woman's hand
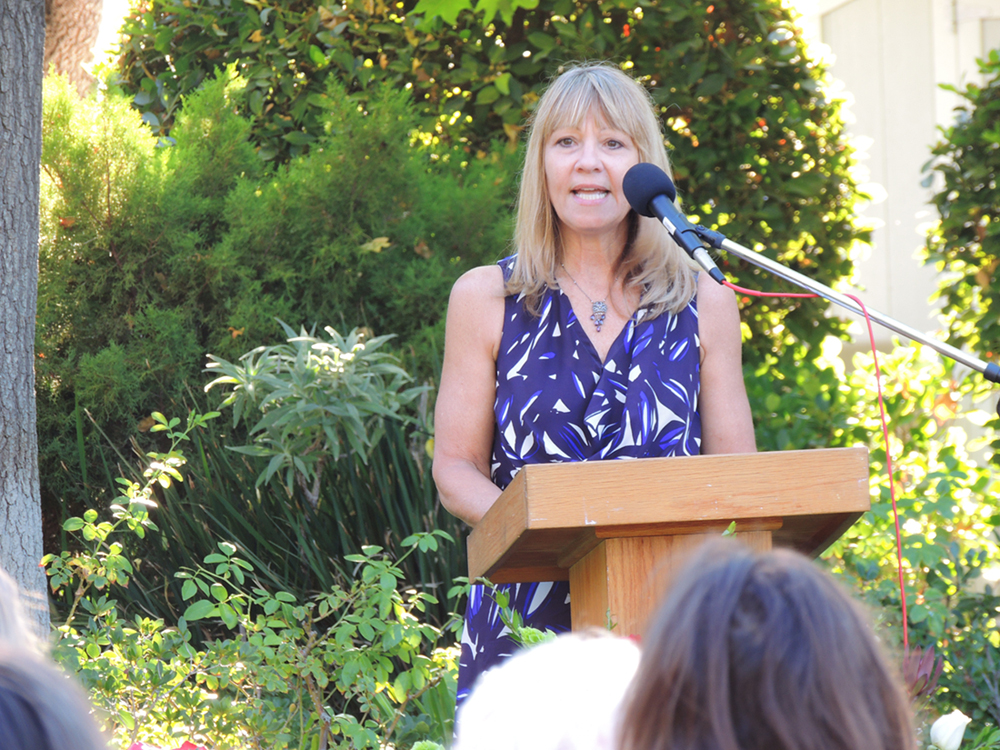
x=463, y=417
x=726, y=423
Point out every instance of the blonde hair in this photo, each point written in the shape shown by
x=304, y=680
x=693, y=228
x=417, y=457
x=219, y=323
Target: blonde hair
x=651, y=261
x=14, y=628
x=565, y=694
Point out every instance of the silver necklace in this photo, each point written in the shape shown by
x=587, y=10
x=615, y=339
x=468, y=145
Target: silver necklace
x=599, y=308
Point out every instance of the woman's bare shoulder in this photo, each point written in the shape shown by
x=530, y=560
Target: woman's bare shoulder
x=713, y=295
x=718, y=317
x=479, y=284
x=476, y=308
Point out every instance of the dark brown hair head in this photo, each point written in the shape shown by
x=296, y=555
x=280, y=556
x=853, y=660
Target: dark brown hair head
x=762, y=652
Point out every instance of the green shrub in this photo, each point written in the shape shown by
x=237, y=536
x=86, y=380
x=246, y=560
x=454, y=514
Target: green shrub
x=292, y=546
x=965, y=242
x=154, y=254
x=949, y=512
x=757, y=145
x=959, y=610
x=311, y=401
x=352, y=667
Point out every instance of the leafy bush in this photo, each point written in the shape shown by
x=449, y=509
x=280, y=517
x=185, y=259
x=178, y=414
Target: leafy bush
x=959, y=610
x=966, y=241
x=294, y=501
x=292, y=546
x=949, y=513
x=757, y=145
x=353, y=663
x=153, y=256
x=317, y=399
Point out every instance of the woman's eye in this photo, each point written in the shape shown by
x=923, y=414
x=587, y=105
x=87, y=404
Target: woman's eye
x=615, y=144
x=567, y=141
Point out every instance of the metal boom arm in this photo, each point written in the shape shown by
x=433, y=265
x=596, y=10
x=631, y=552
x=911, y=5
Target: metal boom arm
x=989, y=370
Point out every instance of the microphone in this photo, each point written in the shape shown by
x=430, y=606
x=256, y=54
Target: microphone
x=650, y=192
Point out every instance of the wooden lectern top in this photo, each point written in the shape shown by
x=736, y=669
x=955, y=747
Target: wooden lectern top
x=552, y=515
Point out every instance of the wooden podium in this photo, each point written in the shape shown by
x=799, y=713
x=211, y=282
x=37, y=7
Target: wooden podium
x=618, y=530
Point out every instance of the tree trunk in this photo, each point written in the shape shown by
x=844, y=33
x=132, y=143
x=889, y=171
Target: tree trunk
x=71, y=28
x=22, y=40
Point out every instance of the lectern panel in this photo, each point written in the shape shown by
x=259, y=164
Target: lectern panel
x=552, y=515
x=621, y=582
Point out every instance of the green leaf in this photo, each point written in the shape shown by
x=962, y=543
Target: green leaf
x=488, y=95
x=366, y=631
x=126, y=719
x=227, y=548
x=917, y=613
x=298, y=138
x=317, y=56
x=448, y=10
x=542, y=41
x=199, y=610
x=228, y=615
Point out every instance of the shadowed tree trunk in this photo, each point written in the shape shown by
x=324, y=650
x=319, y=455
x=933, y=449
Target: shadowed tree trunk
x=22, y=40
x=71, y=28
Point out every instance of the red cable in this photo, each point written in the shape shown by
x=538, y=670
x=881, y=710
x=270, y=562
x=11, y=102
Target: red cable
x=885, y=436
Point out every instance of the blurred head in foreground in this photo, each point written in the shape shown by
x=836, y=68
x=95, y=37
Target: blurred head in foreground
x=762, y=652
x=14, y=628
x=41, y=708
x=565, y=694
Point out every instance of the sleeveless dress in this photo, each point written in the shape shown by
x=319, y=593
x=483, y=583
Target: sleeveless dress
x=556, y=401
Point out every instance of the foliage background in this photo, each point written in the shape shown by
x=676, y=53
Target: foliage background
x=355, y=159
x=353, y=189
x=756, y=143
x=965, y=246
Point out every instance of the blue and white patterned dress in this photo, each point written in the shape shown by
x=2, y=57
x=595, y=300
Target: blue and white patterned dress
x=556, y=401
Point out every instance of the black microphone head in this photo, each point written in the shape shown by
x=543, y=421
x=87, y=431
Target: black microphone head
x=642, y=183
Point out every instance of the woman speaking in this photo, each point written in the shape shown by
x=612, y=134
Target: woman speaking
x=596, y=340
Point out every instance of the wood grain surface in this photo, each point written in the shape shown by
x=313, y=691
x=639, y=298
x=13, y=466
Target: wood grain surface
x=553, y=515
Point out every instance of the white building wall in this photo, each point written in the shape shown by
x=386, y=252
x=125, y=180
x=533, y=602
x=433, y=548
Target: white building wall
x=891, y=55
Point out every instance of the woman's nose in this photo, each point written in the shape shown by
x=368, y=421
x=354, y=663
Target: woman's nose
x=589, y=156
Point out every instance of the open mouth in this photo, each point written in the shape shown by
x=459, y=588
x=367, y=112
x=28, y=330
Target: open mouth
x=590, y=194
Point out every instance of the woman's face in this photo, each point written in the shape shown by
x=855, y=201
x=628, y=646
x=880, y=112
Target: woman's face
x=584, y=167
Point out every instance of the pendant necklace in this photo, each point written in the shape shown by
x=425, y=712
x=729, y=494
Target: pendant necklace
x=599, y=308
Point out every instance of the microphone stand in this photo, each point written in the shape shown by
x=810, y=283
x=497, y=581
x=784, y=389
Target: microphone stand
x=989, y=370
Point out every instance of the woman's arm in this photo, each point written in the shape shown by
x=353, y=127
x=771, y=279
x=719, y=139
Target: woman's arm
x=463, y=416
x=726, y=423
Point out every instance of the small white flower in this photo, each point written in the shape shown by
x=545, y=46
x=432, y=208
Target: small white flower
x=946, y=732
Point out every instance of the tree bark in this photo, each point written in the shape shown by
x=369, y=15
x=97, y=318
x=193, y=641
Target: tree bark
x=22, y=41
x=71, y=28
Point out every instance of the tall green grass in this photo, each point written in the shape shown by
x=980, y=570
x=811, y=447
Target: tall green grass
x=293, y=546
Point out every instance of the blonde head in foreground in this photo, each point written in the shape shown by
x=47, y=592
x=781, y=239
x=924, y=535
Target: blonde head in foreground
x=561, y=695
